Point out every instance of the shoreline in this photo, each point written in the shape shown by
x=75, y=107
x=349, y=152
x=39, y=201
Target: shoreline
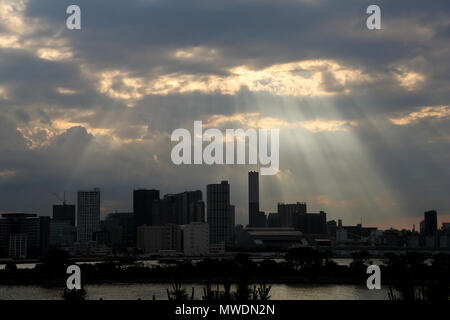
x=306, y=280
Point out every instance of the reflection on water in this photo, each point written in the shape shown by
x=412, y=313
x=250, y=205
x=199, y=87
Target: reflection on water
x=158, y=290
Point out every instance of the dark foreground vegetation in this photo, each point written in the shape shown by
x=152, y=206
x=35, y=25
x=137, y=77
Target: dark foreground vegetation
x=411, y=276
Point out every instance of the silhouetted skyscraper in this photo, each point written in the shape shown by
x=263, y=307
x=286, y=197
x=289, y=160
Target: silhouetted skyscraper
x=64, y=212
x=312, y=223
x=165, y=211
x=197, y=211
x=20, y=235
x=220, y=213
x=44, y=230
x=126, y=221
x=88, y=219
x=430, y=220
x=288, y=214
x=143, y=204
x=273, y=220
x=185, y=206
x=253, y=198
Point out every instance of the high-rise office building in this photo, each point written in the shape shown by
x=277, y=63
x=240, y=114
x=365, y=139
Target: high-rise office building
x=220, y=214
x=64, y=212
x=20, y=235
x=44, y=234
x=430, y=222
x=288, y=214
x=229, y=242
x=164, y=211
x=256, y=218
x=253, y=199
x=88, y=218
x=143, y=205
x=193, y=204
x=186, y=209
x=312, y=223
x=126, y=221
x=197, y=211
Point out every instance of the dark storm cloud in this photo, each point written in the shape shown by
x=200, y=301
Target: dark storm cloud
x=142, y=37
x=31, y=81
x=138, y=34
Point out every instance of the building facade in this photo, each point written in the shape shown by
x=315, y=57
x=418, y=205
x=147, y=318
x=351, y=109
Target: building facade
x=220, y=214
x=126, y=221
x=195, y=239
x=430, y=223
x=143, y=205
x=154, y=239
x=88, y=218
x=253, y=199
x=288, y=214
x=64, y=212
x=62, y=234
x=20, y=235
x=312, y=223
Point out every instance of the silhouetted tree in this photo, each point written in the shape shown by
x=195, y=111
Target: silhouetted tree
x=54, y=261
x=415, y=280
x=178, y=293
x=11, y=266
x=305, y=257
x=74, y=294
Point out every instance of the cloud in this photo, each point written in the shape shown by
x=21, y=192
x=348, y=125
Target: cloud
x=256, y=120
x=320, y=126
x=433, y=112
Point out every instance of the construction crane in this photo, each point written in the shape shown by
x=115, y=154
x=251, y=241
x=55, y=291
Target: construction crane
x=63, y=200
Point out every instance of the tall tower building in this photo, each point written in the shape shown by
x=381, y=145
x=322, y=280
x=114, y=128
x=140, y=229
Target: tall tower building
x=88, y=218
x=197, y=210
x=142, y=205
x=220, y=214
x=253, y=199
x=430, y=218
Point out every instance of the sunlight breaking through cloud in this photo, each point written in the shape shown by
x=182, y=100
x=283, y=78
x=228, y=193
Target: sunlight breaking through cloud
x=255, y=120
x=302, y=78
x=433, y=112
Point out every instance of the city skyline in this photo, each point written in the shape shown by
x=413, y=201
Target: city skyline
x=181, y=223
x=156, y=194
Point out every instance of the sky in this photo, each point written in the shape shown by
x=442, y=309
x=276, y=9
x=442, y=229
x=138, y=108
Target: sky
x=363, y=114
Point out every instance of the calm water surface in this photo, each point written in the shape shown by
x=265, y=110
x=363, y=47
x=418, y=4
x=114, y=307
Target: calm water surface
x=158, y=290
